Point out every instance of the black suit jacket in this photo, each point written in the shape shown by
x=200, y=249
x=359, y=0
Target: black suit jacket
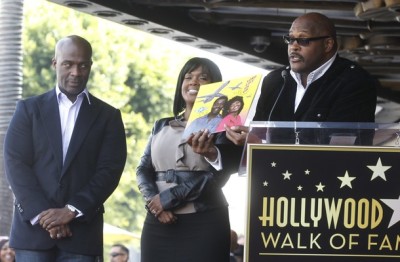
x=34, y=168
x=345, y=93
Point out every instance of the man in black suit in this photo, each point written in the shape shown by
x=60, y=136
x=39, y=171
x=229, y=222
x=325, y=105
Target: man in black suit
x=318, y=86
x=65, y=151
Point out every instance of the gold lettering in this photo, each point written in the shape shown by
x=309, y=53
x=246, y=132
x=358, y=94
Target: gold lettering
x=316, y=213
x=267, y=218
x=332, y=211
x=363, y=213
x=385, y=244
x=352, y=241
x=299, y=246
x=303, y=213
x=349, y=215
x=298, y=241
x=371, y=242
x=287, y=242
x=342, y=241
x=313, y=241
x=282, y=212
x=376, y=209
x=274, y=241
x=293, y=223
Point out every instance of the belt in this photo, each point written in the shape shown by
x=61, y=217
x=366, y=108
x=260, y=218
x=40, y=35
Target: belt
x=176, y=176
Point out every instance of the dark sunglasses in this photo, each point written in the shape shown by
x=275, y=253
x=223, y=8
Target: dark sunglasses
x=302, y=41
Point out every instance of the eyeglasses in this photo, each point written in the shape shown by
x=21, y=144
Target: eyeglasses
x=302, y=41
x=116, y=254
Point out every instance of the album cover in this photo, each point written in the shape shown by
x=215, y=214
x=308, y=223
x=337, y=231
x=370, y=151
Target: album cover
x=220, y=104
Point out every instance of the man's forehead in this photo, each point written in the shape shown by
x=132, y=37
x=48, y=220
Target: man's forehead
x=306, y=26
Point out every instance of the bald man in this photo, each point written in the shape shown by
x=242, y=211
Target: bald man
x=318, y=85
x=64, y=154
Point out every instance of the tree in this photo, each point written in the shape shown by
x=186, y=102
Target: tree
x=11, y=14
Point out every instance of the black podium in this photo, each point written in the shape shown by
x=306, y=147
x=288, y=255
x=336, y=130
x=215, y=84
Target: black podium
x=322, y=192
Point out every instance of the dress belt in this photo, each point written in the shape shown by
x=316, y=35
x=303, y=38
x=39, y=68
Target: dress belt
x=177, y=176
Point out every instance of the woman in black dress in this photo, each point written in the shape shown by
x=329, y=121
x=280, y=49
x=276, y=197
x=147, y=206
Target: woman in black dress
x=181, y=181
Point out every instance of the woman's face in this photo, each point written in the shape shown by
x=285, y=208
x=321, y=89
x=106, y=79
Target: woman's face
x=7, y=254
x=235, y=106
x=191, y=84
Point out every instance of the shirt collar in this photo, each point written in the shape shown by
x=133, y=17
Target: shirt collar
x=314, y=75
x=59, y=93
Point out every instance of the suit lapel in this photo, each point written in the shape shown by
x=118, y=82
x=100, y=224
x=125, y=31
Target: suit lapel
x=305, y=102
x=86, y=117
x=48, y=107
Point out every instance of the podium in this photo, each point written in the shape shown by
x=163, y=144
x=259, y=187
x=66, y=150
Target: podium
x=322, y=192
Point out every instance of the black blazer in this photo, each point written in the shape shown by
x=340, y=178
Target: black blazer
x=345, y=93
x=92, y=169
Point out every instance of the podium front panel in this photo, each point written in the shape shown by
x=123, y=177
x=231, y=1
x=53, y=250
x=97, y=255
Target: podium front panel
x=322, y=203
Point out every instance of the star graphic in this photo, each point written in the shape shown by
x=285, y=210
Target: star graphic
x=299, y=188
x=346, y=180
x=307, y=172
x=265, y=183
x=273, y=164
x=395, y=205
x=286, y=175
x=320, y=187
x=379, y=170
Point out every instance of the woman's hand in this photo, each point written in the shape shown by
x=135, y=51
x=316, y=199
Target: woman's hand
x=202, y=144
x=164, y=216
x=154, y=206
x=167, y=217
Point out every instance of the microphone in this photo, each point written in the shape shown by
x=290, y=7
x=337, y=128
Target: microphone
x=284, y=74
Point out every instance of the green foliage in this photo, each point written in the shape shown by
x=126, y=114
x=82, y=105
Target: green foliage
x=130, y=71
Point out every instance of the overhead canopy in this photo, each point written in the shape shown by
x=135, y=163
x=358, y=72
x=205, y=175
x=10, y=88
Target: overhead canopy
x=251, y=31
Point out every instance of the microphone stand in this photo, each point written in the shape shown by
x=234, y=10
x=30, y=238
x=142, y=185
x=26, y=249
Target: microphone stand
x=284, y=74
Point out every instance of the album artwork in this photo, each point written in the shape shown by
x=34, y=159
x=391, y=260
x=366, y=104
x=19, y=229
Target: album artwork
x=221, y=104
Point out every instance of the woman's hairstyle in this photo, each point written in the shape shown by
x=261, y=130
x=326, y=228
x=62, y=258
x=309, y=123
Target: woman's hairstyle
x=208, y=67
x=230, y=102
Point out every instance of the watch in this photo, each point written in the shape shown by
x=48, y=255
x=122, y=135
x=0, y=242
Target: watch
x=72, y=209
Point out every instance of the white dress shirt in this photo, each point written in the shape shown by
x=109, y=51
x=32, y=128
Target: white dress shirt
x=68, y=114
x=314, y=75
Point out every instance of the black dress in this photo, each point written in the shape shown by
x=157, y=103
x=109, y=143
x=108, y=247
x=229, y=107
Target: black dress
x=199, y=235
x=196, y=237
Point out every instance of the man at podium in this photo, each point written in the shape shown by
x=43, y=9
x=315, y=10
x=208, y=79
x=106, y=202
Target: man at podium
x=317, y=86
